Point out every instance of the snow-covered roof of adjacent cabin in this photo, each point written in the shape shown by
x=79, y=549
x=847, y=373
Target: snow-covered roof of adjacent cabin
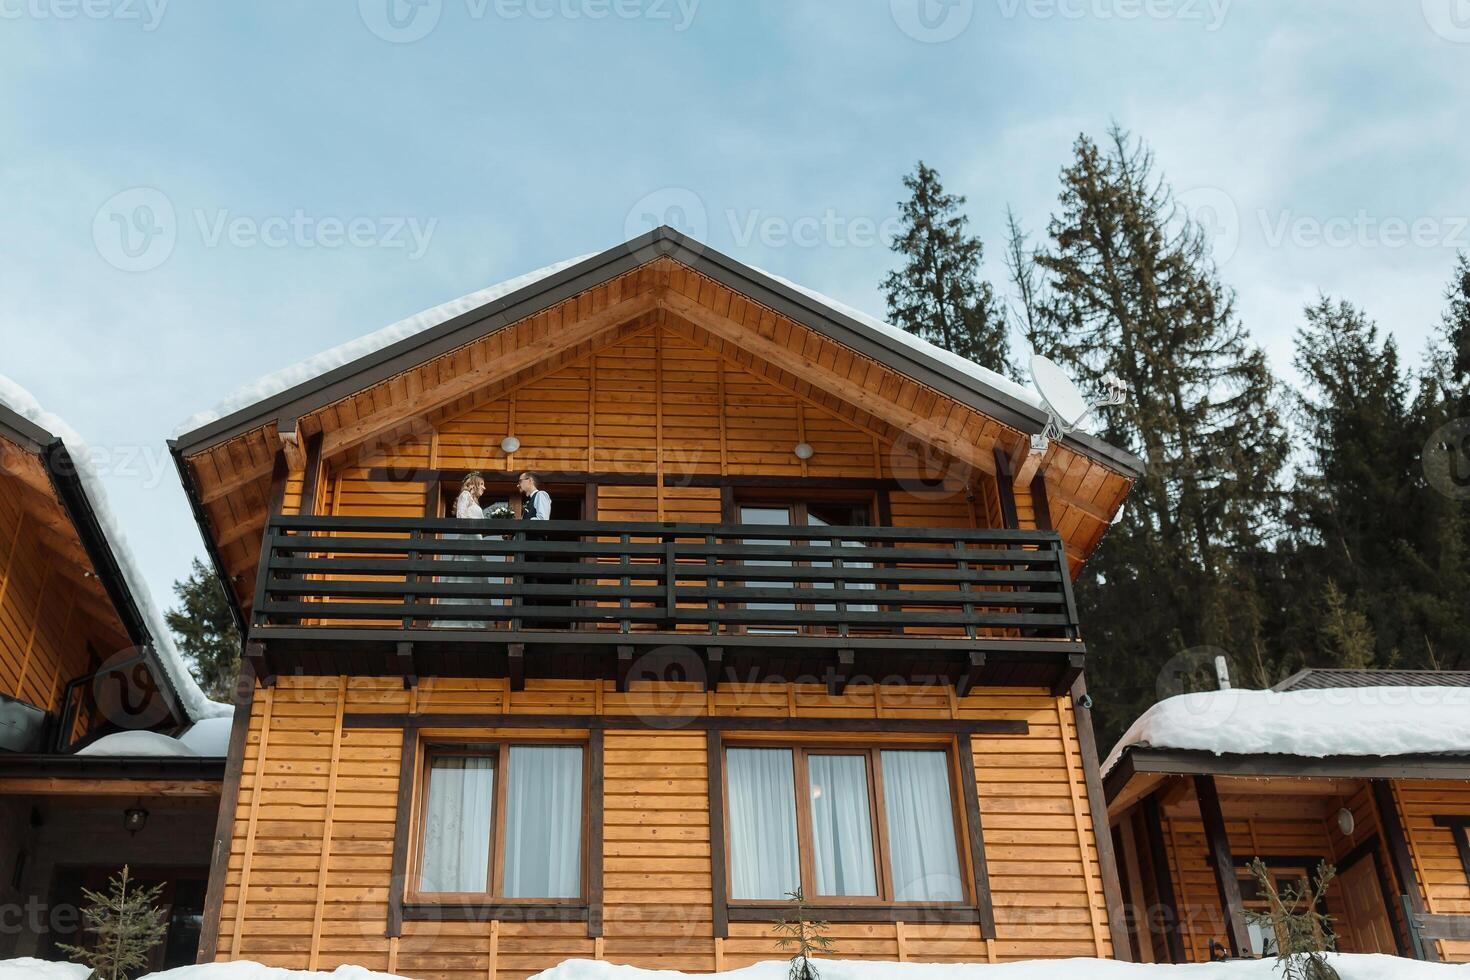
x=208, y=738
x=191, y=698
x=1013, y=403
x=1315, y=724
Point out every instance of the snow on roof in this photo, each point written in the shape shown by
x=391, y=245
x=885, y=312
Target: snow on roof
x=138, y=743
x=1367, y=721
x=191, y=698
x=329, y=360
x=965, y=366
x=346, y=353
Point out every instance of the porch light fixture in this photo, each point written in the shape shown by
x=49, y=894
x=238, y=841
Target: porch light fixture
x=510, y=444
x=135, y=818
x=804, y=450
x=1345, y=822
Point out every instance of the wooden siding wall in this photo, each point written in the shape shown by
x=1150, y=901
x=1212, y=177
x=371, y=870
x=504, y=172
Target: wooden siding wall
x=43, y=637
x=309, y=870
x=657, y=404
x=1266, y=825
x=1442, y=878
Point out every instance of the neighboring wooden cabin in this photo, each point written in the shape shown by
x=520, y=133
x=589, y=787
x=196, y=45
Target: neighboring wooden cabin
x=762, y=504
x=1395, y=827
x=79, y=664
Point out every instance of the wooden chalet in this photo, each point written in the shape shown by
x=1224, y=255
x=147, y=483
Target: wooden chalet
x=1187, y=823
x=79, y=665
x=802, y=619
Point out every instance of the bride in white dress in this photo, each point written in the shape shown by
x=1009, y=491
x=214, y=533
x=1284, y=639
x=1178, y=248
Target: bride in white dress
x=466, y=508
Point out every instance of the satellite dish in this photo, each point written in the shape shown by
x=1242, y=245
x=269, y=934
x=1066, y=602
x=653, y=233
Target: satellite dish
x=1066, y=405
x=1064, y=398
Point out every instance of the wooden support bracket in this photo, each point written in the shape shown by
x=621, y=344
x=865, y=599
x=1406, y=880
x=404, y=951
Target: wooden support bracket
x=515, y=655
x=970, y=676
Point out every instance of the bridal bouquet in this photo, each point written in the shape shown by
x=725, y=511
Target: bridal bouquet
x=500, y=512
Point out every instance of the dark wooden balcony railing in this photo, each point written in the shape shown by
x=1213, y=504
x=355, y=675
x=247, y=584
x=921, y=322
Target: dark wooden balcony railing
x=442, y=582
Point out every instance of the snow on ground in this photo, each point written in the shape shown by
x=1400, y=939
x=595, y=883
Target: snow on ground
x=23, y=403
x=29, y=969
x=1333, y=721
x=328, y=360
x=1349, y=967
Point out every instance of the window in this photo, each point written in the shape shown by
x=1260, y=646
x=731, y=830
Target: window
x=869, y=825
x=1459, y=826
x=814, y=514
x=502, y=821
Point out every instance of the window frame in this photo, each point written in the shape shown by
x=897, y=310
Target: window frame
x=500, y=749
x=877, y=815
x=1459, y=827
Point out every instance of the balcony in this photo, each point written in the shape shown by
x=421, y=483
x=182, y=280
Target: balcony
x=631, y=601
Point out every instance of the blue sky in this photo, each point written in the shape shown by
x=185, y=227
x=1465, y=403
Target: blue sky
x=310, y=171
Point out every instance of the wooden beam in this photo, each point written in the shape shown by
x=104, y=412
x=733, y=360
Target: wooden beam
x=495, y=369
x=210, y=491
x=1006, y=487
x=291, y=445
x=808, y=370
x=1228, y=885
x=224, y=826
x=1098, y=809
x=1163, y=878
x=63, y=786
x=1403, y=862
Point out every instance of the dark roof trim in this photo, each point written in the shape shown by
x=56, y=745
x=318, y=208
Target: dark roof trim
x=379, y=365
x=56, y=459
x=23, y=432
x=1137, y=760
x=201, y=520
x=202, y=768
x=1325, y=678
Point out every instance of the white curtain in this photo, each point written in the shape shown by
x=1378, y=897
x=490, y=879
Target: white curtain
x=842, y=825
x=763, y=862
x=921, y=830
x=543, y=822
x=457, y=819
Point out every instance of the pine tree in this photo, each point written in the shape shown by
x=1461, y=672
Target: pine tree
x=205, y=631
x=1300, y=933
x=1346, y=637
x=806, y=935
x=127, y=927
x=938, y=293
x=1129, y=287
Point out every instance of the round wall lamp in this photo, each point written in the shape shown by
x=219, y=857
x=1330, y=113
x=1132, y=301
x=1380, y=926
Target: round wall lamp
x=135, y=818
x=510, y=444
x=804, y=450
x=1345, y=822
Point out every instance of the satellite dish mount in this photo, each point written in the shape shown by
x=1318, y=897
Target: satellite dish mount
x=1066, y=406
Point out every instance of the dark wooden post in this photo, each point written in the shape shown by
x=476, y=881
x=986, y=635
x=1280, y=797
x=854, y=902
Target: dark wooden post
x=1163, y=880
x=1006, y=487
x=1403, y=863
x=1224, y=862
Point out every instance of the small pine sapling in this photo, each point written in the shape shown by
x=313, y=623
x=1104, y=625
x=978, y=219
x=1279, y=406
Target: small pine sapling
x=1294, y=922
x=806, y=935
x=127, y=926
